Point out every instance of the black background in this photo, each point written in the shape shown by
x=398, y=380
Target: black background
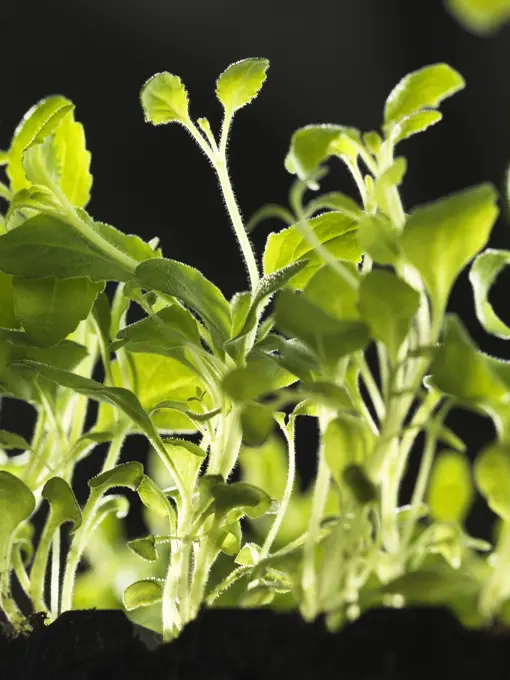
x=331, y=61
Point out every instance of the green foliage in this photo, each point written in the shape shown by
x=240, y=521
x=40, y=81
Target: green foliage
x=211, y=383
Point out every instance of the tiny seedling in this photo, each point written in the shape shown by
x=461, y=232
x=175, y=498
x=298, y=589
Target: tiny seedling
x=210, y=382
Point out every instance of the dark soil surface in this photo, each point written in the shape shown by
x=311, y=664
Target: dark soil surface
x=384, y=644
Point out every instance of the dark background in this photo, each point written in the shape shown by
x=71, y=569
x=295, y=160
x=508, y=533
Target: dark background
x=331, y=61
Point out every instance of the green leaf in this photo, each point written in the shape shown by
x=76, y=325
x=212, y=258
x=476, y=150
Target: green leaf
x=231, y=539
x=422, y=89
x=17, y=503
x=8, y=317
x=440, y=238
x=179, y=328
x=460, y=370
x=429, y=587
x=331, y=292
x=336, y=201
x=157, y=379
x=480, y=16
x=40, y=121
x=187, y=459
x=413, y=124
x=145, y=548
x=164, y=99
x=45, y=246
x=11, y=440
x=240, y=497
x=335, y=231
x=74, y=161
x=127, y=475
x=450, y=491
x=329, y=338
x=310, y=146
x=119, y=397
x=240, y=83
x=261, y=375
x=153, y=498
x=388, y=305
x=257, y=423
x=379, y=238
x=390, y=178
x=492, y=476
x=292, y=355
x=142, y=594
x=63, y=504
x=248, y=555
x=190, y=287
x=484, y=272
x=347, y=442
x=50, y=309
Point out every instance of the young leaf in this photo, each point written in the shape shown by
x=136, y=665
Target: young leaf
x=50, y=309
x=145, y=548
x=388, y=305
x=153, y=498
x=40, y=121
x=328, y=337
x=142, y=594
x=413, y=124
x=11, y=440
x=128, y=475
x=450, y=491
x=240, y=83
x=240, y=497
x=67, y=254
x=190, y=287
x=484, y=272
x=310, y=146
x=460, y=370
x=492, y=477
x=440, y=238
x=334, y=230
x=8, y=317
x=165, y=100
x=74, y=160
x=336, y=201
x=63, y=504
x=261, y=375
x=422, y=89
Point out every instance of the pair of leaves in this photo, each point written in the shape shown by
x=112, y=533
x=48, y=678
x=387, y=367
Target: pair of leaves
x=410, y=107
x=165, y=100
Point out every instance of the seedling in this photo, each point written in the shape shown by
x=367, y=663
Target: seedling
x=237, y=374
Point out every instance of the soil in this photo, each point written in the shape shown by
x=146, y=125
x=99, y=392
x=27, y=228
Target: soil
x=384, y=644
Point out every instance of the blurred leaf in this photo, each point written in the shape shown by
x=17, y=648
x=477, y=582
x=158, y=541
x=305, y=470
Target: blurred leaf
x=480, y=16
x=450, y=491
x=484, y=272
x=492, y=477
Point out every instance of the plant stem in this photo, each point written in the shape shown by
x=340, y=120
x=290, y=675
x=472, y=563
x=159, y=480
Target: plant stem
x=370, y=384
x=237, y=222
x=289, y=433
x=55, y=573
x=309, y=605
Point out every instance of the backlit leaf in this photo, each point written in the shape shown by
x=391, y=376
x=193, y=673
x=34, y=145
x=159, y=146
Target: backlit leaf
x=484, y=272
x=481, y=16
x=142, y=594
x=440, y=238
x=492, y=477
x=63, y=504
x=126, y=475
x=240, y=83
x=422, y=89
x=335, y=231
x=164, y=100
